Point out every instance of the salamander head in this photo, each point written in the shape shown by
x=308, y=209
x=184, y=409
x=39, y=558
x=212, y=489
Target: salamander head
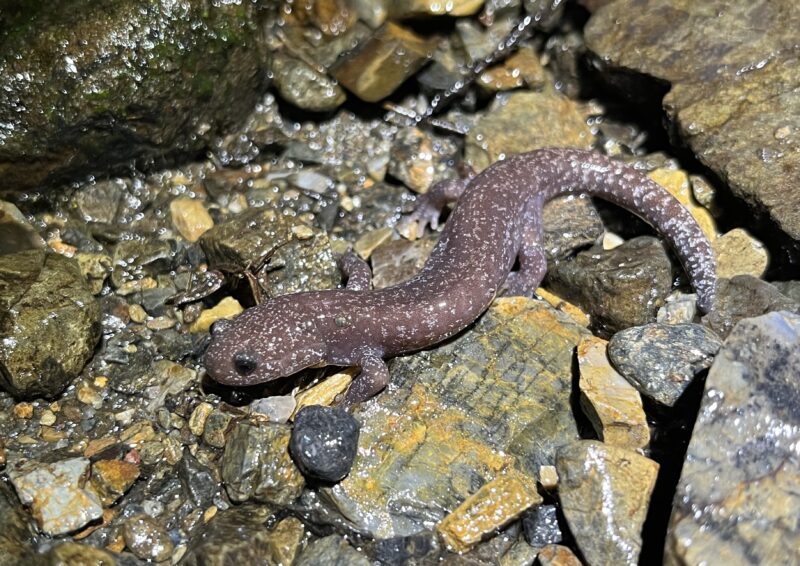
x=275, y=339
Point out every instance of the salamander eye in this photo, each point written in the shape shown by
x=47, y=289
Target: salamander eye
x=244, y=363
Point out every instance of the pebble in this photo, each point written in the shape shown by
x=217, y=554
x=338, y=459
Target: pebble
x=276, y=408
x=679, y=308
x=227, y=308
x=190, y=218
x=604, y=493
x=412, y=159
x=324, y=442
x=367, y=243
x=612, y=405
x=197, y=420
x=16, y=233
x=661, y=360
x=112, y=478
x=332, y=549
x=382, y=62
x=540, y=525
x=494, y=505
x=739, y=253
x=57, y=493
x=216, y=427
x=301, y=85
x=146, y=539
x=326, y=391
x=137, y=313
x=557, y=555
x=256, y=464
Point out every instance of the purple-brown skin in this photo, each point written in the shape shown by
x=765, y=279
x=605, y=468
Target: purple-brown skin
x=498, y=220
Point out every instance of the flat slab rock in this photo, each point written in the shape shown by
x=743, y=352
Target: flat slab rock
x=455, y=417
x=738, y=498
x=734, y=75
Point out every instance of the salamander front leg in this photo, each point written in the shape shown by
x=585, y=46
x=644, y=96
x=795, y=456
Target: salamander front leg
x=374, y=377
x=430, y=206
x=356, y=270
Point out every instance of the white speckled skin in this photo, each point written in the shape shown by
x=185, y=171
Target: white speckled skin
x=497, y=219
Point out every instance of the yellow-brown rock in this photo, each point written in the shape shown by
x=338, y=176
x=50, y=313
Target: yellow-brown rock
x=605, y=492
x=557, y=555
x=494, y=505
x=226, y=308
x=525, y=121
x=190, y=218
x=112, y=478
x=612, y=404
x=739, y=253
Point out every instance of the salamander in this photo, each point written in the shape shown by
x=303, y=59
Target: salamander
x=497, y=220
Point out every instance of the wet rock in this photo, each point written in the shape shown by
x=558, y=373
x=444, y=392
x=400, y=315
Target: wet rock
x=367, y=243
x=324, y=442
x=524, y=121
x=95, y=267
x=454, y=417
x=399, y=260
x=419, y=158
x=49, y=323
x=136, y=258
x=215, y=428
x=190, y=218
x=57, y=493
x=540, y=526
x=199, y=481
x=293, y=263
x=16, y=531
x=73, y=71
x=738, y=494
x=325, y=392
x=286, y=540
x=738, y=253
x=789, y=288
x=419, y=548
x=256, y=464
x=619, y=288
x=147, y=539
x=227, y=308
x=679, y=308
x=332, y=550
x=235, y=536
x=744, y=296
x=557, y=555
x=74, y=554
x=112, y=478
x=604, y=492
x=732, y=88
x=417, y=8
x=570, y=223
x=16, y=233
x=381, y=63
x=612, y=405
x=661, y=360
x=521, y=69
x=494, y=505
x=100, y=202
x=276, y=408
x=305, y=87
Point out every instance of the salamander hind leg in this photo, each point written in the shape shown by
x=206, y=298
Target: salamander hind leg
x=532, y=259
x=356, y=270
x=374, y=377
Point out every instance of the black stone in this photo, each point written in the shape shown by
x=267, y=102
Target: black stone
x=324, y=442
x=540, y=526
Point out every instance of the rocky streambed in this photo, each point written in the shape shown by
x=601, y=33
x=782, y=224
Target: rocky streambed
x=166, y=166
